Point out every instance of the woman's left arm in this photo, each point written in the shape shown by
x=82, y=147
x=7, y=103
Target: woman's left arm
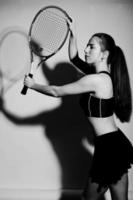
x=86, y=84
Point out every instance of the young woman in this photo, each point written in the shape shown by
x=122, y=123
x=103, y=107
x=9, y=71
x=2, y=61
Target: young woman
x=105, y=90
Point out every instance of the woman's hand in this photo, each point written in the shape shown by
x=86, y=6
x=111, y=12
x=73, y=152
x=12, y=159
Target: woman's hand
x=29, y=82
x=72, y=27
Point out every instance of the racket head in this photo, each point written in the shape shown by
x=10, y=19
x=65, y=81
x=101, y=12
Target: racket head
x=48, y=31
x=47, y=34
x=14, y=56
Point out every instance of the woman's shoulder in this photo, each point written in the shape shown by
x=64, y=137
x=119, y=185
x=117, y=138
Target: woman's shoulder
x=103, y=84
x=99, y=78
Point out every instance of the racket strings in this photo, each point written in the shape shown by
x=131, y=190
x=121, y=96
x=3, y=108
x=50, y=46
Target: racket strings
x=49, y=31
x=59, y=15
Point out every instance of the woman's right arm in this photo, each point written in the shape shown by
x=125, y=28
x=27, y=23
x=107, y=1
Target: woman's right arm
x=73, y=49
x=73, y=52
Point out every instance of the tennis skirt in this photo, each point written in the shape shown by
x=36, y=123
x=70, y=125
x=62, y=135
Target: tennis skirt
x=112, y=158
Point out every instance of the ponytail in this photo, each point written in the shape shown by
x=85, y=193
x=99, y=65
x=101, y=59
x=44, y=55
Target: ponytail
x=120, y=77
x=121, y=85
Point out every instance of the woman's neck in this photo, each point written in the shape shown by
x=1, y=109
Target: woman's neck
x=102, y=67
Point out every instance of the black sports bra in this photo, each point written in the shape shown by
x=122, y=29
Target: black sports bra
x=97, y=107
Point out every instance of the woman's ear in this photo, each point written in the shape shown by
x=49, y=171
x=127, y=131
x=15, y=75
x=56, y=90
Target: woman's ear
x=105, y=54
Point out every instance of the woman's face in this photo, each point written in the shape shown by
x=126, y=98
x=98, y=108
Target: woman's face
x=93, y=51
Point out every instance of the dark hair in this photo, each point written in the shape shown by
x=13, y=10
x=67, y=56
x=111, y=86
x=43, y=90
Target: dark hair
x=120, y=77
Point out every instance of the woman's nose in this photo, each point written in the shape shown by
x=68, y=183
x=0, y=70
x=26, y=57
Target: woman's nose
x=86, y=50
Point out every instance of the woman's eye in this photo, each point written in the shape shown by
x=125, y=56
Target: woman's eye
x=91, y=47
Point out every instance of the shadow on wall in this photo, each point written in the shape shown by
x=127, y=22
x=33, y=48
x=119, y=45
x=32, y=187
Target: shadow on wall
x=65, y=127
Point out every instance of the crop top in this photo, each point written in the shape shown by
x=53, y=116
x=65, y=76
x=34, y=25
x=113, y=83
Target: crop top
x=97, y=107
x=91, y=105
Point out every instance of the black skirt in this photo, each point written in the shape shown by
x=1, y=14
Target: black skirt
x=112, y=158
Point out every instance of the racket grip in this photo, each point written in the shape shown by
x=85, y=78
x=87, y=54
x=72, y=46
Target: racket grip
x=25, y=88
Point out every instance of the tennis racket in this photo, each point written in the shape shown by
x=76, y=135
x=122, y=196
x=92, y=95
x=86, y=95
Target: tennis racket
x=48, y=33
x=14, y=56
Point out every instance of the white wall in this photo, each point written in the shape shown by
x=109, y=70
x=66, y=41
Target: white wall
x=40, y=138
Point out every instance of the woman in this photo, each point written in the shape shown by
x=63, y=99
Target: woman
x=105, y=90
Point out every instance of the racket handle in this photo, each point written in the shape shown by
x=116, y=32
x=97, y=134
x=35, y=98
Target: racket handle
x=25, y=88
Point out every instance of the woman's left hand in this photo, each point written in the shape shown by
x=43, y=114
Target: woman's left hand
x=28, y=81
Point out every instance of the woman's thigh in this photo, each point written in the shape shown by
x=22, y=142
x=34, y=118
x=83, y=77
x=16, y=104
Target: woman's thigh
x=91, y=191
x=119, y=191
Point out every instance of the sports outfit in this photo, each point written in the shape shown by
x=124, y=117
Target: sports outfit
x=113, y=154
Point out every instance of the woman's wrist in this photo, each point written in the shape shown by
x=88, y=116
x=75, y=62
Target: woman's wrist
x=33, y=86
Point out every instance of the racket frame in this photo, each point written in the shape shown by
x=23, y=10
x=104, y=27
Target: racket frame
x=44, y=58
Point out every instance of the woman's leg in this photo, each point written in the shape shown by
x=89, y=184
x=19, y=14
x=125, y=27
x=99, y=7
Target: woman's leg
x=119, y=191
x=91, y=191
